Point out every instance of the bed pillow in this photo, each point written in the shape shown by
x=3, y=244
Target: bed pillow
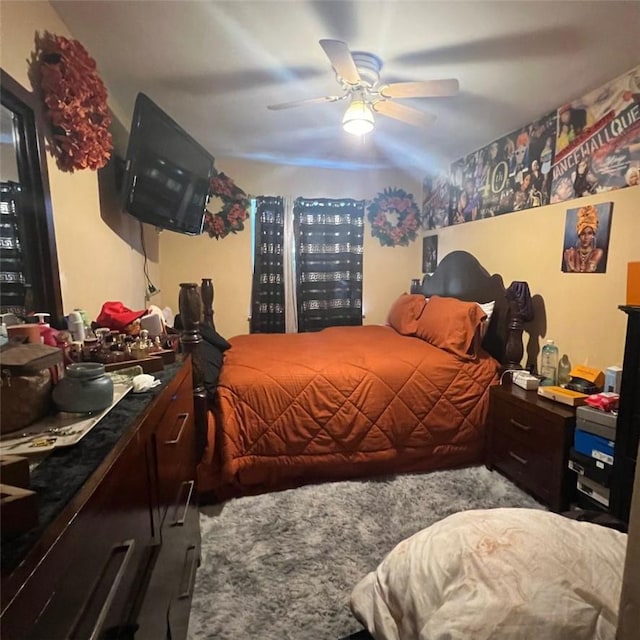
x=499, y=574
x=487, y=307
x=405, y=313
x=452, y=325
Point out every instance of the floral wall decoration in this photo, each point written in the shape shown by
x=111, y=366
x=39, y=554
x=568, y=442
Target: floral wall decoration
x=75, y=100
x=234, y=207
x=394, y=217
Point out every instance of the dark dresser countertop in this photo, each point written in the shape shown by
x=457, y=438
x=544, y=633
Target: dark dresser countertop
x=62, y=473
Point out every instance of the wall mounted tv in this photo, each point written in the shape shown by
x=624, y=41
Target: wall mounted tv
x=167, y=173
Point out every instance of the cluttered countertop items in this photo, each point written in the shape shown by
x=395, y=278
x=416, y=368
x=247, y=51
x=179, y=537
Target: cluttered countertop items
x=62, y=470
x=57, y=385
x=61, y=429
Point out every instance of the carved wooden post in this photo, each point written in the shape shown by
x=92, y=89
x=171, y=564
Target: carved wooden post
x=190, y=307
x=207, y=300
x=190, y=312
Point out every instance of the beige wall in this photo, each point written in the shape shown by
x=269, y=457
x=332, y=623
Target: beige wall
x=581, y=310
x=387, y=270
x=100, y=254
x=98, y=246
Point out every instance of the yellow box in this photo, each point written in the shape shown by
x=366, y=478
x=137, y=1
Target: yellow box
x=595, y=376
x=560, y=394
x=633, y=284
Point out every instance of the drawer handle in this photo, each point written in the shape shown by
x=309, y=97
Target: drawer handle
x=186, y=593
x=127, y=545
x=520, y=459
x=184, y=417
x=519, y=425
x=180, y=521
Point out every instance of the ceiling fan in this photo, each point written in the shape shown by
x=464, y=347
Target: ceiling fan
x=358, y=73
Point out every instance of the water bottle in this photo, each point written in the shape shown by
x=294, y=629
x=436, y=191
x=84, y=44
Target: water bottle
x=549, y=364
x=564, y=370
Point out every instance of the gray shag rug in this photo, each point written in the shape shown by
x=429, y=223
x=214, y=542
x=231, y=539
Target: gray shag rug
x=283, y=565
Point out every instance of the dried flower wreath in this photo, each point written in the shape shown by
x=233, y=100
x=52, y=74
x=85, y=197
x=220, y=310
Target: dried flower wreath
x=234, y=211
x=400, y=203
x=76, y=103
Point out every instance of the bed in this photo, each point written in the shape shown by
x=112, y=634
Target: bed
x=350, y=402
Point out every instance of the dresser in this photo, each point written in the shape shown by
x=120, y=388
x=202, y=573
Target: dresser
x=628, y=427
x=118, y=543
x=528, y=441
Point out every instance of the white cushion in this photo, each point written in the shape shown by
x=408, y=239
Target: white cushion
x=499, y=574
x=487, y=307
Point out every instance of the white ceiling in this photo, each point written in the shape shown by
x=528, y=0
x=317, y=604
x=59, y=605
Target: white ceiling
x=215, y=66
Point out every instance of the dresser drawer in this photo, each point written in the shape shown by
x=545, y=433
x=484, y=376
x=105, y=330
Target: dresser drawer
x=527, y=466
x=532, y=428
x=174, y=573
x=90, y=577
x=175, y=447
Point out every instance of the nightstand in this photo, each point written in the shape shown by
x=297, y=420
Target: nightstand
x=528, y=441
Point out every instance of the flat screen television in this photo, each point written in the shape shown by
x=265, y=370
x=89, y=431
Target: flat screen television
x=166, y=172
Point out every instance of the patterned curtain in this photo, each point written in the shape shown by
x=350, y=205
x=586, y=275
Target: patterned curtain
x=329, y=238
x=267, y=296
x=14, y=279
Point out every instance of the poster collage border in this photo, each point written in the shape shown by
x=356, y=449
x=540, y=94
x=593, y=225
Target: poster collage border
x=589, y=145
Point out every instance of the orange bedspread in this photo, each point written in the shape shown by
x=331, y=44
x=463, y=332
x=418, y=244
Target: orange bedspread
x=344, y=402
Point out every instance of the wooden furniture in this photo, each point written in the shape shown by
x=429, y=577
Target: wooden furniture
x=121, y=555
x=191, y=303
x=529, y=441
x=460, y=275
x=628, y=428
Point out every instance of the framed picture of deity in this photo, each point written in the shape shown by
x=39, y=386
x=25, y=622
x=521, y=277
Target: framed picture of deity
x=586, y=238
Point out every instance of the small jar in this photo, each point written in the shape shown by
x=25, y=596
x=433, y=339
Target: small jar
x=86, y=388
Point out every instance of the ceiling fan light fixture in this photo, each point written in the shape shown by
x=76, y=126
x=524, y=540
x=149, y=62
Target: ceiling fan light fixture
x=358, y=118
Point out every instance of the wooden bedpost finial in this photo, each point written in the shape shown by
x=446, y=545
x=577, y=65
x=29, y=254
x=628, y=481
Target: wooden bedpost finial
x=206, y=290
x=190, y=312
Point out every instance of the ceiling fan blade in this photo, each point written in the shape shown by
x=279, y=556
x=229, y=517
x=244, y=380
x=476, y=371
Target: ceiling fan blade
x=426, y=89
x=300, y=103
x=342, y=60
x=403, y=113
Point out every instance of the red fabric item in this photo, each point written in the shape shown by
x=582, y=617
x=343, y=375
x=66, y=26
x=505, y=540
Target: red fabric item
x=115, y=315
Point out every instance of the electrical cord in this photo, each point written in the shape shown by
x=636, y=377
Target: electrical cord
x=510, y=371
x=151, y=289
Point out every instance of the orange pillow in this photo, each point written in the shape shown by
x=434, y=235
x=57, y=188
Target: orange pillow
x=405, y=312
x=452, y=325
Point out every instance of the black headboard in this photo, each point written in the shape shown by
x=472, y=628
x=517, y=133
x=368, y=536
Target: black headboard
x=460, y=275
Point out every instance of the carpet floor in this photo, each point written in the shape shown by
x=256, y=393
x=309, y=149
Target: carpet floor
x=283, y=565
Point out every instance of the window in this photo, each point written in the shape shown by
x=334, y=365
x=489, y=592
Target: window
x=324, y=264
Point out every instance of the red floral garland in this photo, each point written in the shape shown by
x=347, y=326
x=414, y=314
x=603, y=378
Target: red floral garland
x=76, y=104
x=401, y=203
x=235, y=208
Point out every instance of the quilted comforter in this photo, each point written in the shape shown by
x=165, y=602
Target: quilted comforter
x=344, y=402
